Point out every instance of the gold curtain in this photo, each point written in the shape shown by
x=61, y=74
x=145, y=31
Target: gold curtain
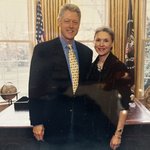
x=118, y=18
x=50, y=10
x=118, y=22
x=139, y=12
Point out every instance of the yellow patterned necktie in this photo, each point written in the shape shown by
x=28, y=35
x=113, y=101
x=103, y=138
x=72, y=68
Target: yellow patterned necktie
x=74, y=68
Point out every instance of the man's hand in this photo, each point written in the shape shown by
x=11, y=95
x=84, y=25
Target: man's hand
x=38, y=132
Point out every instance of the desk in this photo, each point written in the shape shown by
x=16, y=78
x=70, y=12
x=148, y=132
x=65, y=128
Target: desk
x=15, y=129
x=17, y=115
x=14, y=118
x=16, y=132
x=138, y=114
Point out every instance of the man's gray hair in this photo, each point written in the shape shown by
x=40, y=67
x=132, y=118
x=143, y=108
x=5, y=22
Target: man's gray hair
x=70, y=7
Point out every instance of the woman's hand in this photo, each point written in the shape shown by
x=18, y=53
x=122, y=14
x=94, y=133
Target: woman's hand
x=115, y=142
x=38, y=132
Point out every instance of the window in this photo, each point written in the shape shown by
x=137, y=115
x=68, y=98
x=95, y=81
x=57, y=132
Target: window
x=147, y=48
x=15, y=43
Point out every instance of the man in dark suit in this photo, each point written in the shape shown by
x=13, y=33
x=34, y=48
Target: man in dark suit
x=55, y=111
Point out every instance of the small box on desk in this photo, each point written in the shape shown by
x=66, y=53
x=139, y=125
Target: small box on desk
x=22, y=104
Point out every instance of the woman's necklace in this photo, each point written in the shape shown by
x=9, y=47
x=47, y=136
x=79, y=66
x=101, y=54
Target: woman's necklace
x=100, y=66
x=101, y=62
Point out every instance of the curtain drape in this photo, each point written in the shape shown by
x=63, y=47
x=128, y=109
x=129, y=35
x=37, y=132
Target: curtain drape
x=118, y=22
x=139, y=12
x=50, y=10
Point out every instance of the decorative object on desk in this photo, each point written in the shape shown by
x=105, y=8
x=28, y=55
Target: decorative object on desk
x=21, y=104
x=147, y=98
x=8, y=92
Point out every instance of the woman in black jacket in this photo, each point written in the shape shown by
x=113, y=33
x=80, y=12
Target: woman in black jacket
x=109, y=89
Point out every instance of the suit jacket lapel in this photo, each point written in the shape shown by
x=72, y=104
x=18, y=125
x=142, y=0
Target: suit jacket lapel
x=61, y=60
x=81, y=63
